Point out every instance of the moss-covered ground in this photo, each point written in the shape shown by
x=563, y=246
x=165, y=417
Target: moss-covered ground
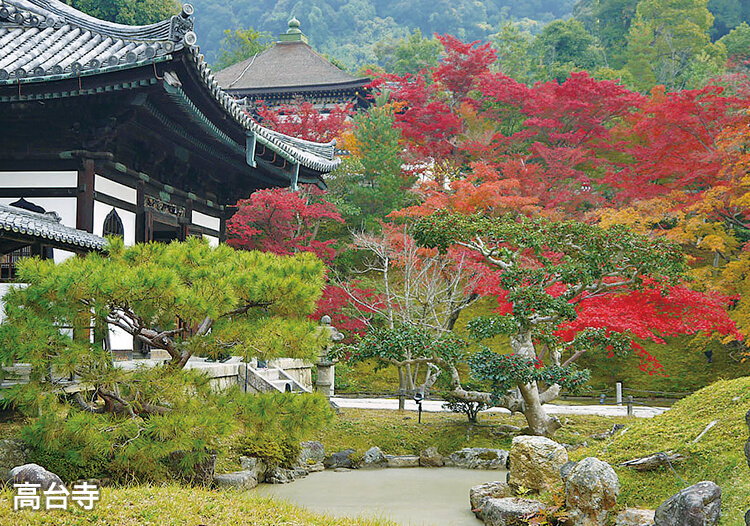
x=717, y=456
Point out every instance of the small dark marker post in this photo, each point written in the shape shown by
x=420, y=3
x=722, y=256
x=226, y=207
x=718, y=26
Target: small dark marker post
x=418, y=397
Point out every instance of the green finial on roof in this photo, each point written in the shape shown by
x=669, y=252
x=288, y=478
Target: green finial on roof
x=294, y=26
x=294, y=33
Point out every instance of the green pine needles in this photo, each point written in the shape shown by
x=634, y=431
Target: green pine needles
x=89, y=417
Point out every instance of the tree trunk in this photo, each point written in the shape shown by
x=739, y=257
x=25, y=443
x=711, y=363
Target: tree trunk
x=401, y=388
x=540, y=423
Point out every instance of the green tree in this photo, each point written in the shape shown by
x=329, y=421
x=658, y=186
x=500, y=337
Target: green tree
x=241, y=44
x=408, y=55
x=563, y=289
x=129, y=12
x=727, y=15
x=514, y=52
x=666, y=39
x=565, y=46
x=737, y=42
x=185, y=298
x=370, y=184
x=614, y=18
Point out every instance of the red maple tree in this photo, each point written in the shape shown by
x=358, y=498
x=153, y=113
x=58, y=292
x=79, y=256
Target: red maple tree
x=304, y=121
x=283, y=222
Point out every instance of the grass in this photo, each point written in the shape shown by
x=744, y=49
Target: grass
x=172, y=505
x=718, y=456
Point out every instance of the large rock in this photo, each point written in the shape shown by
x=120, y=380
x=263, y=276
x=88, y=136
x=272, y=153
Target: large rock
x=33, y=474
x=478, y=458
x=535, y=463
x=374, y=459
x=490, y=490
x=255, y=466
x=402, y=461
x=635, y=517
x=341, y=459
x=747, y=518
x=698, y=505
x=431, y=458
x=245, y=479
x=591, y=491
x=12, y=453
x=566, y=470
x=278, y=475
x=311, y=453
x=510, y=511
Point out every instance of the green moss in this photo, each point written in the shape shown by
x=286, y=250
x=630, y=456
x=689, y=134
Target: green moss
x=686, y=367
x=718, y=456
x=400, y=433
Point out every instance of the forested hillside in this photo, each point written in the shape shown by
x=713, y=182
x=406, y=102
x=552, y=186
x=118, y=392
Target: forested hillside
x=600, y=36
x=349, y=30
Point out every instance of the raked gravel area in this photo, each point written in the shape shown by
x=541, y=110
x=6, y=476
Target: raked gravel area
x=437, y=405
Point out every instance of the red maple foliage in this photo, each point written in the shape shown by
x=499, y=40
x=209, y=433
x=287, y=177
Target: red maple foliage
x=283, y=222
x=671, y=143
x=304, y=121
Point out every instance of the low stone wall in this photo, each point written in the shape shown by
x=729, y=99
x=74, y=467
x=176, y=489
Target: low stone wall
x=299, y=370
x=223, y=375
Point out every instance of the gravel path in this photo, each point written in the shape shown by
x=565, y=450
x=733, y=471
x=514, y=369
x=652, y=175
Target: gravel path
x=436, y=405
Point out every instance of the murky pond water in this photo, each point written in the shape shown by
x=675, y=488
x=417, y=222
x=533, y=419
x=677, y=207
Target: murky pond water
x=409, y=496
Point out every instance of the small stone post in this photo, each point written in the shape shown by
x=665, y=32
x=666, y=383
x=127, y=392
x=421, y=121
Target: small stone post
x=618, y=389
x=326, y=374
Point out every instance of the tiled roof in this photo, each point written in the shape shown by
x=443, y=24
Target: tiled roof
x=286, y=64
x=47, y=40
x=20, y=222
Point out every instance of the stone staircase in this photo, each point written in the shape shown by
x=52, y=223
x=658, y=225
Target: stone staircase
x=271, y=379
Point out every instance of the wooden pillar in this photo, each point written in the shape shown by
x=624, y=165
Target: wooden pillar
x=223, y=224
x=186, y=221
x=85, y=197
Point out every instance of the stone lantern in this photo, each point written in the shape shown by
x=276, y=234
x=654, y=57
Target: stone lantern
x=325, y=379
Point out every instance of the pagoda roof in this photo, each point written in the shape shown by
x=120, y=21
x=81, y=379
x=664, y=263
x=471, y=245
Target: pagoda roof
x=45, y=41
x=290, y=64
x=19, y=227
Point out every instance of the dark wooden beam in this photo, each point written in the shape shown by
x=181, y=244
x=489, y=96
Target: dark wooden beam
x=85, y=204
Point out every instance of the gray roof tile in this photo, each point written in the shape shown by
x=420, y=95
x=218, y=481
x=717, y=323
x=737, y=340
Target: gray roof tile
x=43, y=40
x=47, y=226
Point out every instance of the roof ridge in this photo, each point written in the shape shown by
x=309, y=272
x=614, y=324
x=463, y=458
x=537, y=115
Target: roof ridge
x=54, y=13
x=46, y=226
x=306, y=152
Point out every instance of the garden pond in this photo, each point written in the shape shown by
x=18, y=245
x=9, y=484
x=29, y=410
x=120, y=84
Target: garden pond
x=409, y=496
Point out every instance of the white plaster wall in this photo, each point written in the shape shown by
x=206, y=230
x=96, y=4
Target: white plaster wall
x=65, y=179
x=101, y=210
x=119, y=339
x=213, y=241
x=206, y=221
x=114, y=189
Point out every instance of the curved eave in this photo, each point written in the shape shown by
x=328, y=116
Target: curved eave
x=309, y=88
x=282, y=144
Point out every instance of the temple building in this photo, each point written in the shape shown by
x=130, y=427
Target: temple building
x=123, y=130
x=291, y=71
